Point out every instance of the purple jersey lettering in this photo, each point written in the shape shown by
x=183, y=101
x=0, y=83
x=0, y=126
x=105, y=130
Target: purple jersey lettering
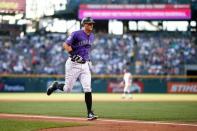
x=81, y=43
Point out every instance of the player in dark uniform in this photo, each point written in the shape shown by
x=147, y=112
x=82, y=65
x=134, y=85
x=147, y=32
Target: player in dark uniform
x=78, y=45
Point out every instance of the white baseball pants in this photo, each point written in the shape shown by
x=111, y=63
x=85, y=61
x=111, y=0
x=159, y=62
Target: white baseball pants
x=74, y=70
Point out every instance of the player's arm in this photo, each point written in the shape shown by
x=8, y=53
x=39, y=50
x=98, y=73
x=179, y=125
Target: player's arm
x=131, y=77
x=73, y=56
x=67, y=48
x=67, y=45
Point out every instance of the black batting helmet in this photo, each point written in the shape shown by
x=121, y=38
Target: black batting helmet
x=87, y=20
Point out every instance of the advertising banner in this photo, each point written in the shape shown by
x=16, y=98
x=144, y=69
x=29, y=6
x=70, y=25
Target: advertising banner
x=116, y=87
x=1, y=86
x=182, y=87
x=8, y=6
x=136, y=12
x=11, y=87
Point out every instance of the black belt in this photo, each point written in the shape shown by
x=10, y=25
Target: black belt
x=80, y=62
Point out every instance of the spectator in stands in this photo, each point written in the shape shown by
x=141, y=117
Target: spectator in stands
x=154, y=53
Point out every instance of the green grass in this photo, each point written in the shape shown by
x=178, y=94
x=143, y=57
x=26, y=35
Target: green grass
x=151, y=111
x=151, y=107
x=21, y=125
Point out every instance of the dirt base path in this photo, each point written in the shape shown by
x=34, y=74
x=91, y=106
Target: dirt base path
x=106, y=124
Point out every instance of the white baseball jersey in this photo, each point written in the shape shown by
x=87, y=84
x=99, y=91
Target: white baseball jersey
x=128, y=80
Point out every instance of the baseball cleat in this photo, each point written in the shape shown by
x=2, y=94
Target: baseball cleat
x=52, y=88
x=91, y=116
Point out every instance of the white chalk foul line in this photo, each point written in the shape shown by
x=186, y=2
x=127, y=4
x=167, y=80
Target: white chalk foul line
x=102, y=120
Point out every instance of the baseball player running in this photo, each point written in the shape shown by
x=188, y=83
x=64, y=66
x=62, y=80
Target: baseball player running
x=78, y=45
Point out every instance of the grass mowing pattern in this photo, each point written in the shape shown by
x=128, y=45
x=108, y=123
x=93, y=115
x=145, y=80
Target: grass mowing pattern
x=21, y=125
x=151, y=111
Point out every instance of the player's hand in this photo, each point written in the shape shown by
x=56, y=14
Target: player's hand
x=71, y=53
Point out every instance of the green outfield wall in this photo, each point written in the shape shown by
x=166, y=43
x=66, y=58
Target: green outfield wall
x=110, y=84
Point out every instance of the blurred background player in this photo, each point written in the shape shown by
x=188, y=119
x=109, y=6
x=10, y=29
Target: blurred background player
x=127, y=80
x=78, y=45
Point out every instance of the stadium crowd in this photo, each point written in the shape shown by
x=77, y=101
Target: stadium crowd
x=158, y=53
x=165, y=53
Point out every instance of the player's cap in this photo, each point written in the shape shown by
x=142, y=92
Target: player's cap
x=87, y=20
